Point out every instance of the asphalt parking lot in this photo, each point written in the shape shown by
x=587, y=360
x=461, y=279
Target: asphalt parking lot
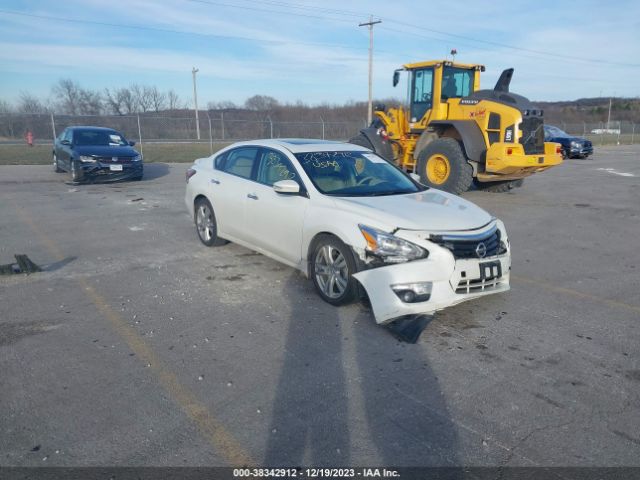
x=137, y=345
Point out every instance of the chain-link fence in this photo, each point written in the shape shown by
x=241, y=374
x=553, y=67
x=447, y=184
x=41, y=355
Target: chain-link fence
x=605, y=133
x=210, y=128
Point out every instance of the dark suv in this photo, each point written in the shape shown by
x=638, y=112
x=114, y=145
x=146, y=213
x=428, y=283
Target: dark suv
x=572, y=147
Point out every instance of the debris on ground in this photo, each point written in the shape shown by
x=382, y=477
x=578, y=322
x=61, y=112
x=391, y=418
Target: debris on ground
x=409, y=327
x=23, y=265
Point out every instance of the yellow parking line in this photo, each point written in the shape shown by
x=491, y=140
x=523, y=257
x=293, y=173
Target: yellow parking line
x=222, y=441
x=575, y=293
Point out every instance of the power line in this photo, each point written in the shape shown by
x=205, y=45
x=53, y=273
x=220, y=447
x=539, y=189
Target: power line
x=504, y=45
x=180, y=32
x=419, y=27
x=565, y=57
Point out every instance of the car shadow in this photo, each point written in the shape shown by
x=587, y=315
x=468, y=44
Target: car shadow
x=155, y=170
x=405, y=421
x=406, y=410
x=310, y=419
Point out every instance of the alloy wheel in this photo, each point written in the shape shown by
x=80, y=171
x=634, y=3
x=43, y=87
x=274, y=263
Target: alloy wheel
x=204, y=222
x=331, y=271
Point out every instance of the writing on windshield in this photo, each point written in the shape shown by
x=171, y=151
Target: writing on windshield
x=341, y=173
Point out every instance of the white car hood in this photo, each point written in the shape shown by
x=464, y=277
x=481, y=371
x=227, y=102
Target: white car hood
x=431, y=210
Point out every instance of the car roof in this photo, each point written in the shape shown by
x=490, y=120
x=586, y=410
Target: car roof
x=89, y=127
x=300, y=145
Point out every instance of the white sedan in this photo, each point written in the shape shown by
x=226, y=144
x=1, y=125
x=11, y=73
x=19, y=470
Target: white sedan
x=348, y=220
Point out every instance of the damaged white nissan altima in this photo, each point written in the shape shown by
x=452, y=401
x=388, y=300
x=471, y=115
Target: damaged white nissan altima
x=349, y=220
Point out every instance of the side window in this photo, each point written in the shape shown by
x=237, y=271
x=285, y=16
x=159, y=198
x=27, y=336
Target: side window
x=218, y=162
x=274, y=166
x=241, y=161
x=456, y=82
x=422, y=93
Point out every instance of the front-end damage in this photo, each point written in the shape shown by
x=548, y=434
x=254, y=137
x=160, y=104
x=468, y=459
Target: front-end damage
x=458, y=266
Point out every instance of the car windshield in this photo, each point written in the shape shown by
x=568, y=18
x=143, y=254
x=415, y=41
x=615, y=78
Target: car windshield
x=99, y=137
x=354, y=174
x=552, y=131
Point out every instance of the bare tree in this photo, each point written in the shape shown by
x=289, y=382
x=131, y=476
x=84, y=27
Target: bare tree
x=113, y=102
x=261, y=103
x=173, y=100
x=222, y=105
x=91, y=102
x=28, y=103
x=158, y=99
x=5, y=107
x=67, y=94
x=141, y=96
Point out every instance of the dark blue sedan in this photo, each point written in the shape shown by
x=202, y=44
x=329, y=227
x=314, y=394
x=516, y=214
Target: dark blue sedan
x=96, y=154
x=572, y=147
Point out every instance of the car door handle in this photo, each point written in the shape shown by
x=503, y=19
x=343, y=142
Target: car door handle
x=217, y=182
x=252, y=196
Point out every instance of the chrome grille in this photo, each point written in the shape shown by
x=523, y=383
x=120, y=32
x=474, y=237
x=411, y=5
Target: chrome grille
x=469, y=246
x=477, y=285
x=118, y=159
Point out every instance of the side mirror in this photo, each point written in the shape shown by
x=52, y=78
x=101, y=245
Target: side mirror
x=131, y=143
x=415, y=177
x=65, y=142
x=396, y=77
x=286, y=187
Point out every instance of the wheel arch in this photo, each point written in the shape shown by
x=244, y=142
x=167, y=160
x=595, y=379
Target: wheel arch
x=198, y=197
x=308, y=248
x=466, y=131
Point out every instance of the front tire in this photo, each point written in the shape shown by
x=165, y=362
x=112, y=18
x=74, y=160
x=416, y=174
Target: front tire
x=206, y=225
x=56, y=165
x=76, y=173
x=442, y=164
x=332, y=267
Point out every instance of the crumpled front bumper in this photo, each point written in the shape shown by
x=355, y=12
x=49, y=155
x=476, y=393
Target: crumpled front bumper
x=101, y=172
x=453, y=281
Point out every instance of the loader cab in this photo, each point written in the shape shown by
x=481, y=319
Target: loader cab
x=434, y=82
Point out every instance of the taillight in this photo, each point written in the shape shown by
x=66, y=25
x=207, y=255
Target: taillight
x=189, y=173
x=509, y=151
x=558, y=149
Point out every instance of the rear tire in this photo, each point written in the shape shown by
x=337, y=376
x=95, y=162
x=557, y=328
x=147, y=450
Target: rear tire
x=442, y=164
x=206, y=225
x=499, y=187
x=331, y=268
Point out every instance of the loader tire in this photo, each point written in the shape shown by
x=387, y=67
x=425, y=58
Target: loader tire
x=499, y=187
x=362, y=141
x=442, y=164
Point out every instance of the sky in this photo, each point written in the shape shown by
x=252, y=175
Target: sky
x=315, y=52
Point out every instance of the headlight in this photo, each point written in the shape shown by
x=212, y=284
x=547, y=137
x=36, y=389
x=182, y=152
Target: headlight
x=576, y=144
x=87, y=159
x=389, y=247
x=137, y=158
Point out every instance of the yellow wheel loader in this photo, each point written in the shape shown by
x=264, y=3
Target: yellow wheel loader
x=454, y=135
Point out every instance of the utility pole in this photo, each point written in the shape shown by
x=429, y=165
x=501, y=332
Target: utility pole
x=609, y=116
x=195, y=100
x=370, y=24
